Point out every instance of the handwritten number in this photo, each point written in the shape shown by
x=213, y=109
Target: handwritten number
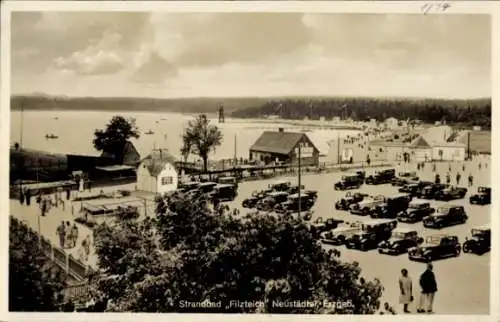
x=441, y=6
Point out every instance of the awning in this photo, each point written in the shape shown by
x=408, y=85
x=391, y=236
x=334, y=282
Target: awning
x=114, y=168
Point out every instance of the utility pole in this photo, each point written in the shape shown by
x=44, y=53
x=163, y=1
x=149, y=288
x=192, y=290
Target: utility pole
x=299, y=177
x=235, y=138
x=338, y=148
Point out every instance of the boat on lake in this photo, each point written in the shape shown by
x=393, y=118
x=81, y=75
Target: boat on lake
x=51, y=136
x=149, y=132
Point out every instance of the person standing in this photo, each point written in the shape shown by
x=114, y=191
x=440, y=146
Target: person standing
x=28, y=197
x=405, y=287
x=471, y=180
x=69, y=235
x=459, y=176
x=61, y=233
x=429, y=289
x=479, y=166
x=463, y=167
x=448, y=178
x=74, y=233
x=433, y=167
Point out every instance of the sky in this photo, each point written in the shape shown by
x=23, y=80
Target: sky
x=163, y=55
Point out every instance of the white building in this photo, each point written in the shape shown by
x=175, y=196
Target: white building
x=391, y=123
x=424, y=149
x=157, y=173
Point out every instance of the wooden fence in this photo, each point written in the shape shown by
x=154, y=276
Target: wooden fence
x=76, y=271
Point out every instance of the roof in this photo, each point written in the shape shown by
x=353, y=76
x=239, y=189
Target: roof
x=424, y=142
x=387, y=143
x=128, y=155
x=480, y=141
x=116, y=167
x=403, y=230
x=420, y=142
x=156, y=161
x=322, y=140
x=278, y=142
x=482, y=227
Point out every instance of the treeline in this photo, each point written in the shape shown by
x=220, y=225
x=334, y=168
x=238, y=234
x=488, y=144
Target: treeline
x=124, y=104
x=460, y=112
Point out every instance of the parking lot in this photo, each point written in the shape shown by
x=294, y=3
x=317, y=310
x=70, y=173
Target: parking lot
x=463, y=282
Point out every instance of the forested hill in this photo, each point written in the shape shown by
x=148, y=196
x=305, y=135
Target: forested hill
x=465, y=112
x=174, y=105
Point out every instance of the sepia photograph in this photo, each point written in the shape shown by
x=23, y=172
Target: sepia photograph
x=250, y=162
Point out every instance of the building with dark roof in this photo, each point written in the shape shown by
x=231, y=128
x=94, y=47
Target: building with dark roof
x=157, y=173
x=282, y=147
x=127, y=156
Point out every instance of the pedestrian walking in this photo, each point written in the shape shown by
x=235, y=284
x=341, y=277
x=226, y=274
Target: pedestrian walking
x=418, y=166
x=459, y=176
x=471, y=180
x=463, y=167
x=21, y=197
x=74, y=233
x=68, y=194
x=479, y=165
x=405, y=287
x=433, y=167
x=28, y=197
x=429, y=289
x=423, y=163
x=61, y=233
x=69, y=235
x=449, y=167
x=437, y=178
x=448, y=178
x=86, y=248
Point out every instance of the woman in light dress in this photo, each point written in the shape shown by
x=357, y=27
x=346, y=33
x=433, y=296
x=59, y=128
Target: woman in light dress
x=405, y=286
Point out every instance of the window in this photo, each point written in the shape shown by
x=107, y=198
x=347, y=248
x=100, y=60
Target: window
x=167, y=180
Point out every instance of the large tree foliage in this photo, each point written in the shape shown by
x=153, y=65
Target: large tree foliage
x=189, y=252
x=113, y=138
x=461, y=112
x=34, y=283
x=199, y=138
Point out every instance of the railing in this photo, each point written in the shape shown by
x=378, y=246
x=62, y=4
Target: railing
x=71, y=266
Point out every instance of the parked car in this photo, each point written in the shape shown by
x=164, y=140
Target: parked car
x=401, y=240
x=321, y=225
x=349, y=199
x=281, y=185
x=228, y=180
x=348, y=182
x=271, y=200
x=430, y=191
x=450, y=193
x=294, y=189
x=381, y=177
x=411, y=188
x=417, y=210
x=367, y=206
x=313, y=194
x=480, y=241
x=188, y=186
x=225, y=192
x=207, y=187
x=256, y=196
x=482, y=197
x=292, y=203
x=436, y=247
x=404, y=178
x=392, y=206
x=372, y=233
x=446, y=216
x=339, y=235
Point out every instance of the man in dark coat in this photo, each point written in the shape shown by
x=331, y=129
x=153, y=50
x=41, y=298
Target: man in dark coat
x=429, y=289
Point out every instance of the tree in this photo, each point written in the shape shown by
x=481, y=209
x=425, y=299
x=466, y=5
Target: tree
x=191, y=252
x=200, y=138
x=112, y=140
x=34, y=284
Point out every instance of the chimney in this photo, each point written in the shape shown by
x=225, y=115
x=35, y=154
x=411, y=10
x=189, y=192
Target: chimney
x=281, y=130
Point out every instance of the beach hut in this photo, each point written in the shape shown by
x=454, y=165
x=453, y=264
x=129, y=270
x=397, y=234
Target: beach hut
x=283, y=147
x=157, y=173
x=391, y=123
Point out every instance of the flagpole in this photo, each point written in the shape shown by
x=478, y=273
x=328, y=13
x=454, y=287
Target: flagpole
x=299, y=177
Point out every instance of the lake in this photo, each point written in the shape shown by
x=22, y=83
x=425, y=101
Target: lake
x=76, y=129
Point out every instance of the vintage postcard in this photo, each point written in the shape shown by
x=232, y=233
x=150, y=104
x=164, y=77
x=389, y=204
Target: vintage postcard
x=250, y=159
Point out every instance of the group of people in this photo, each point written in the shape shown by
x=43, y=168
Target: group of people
x=68, y=234
x=428, y=285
